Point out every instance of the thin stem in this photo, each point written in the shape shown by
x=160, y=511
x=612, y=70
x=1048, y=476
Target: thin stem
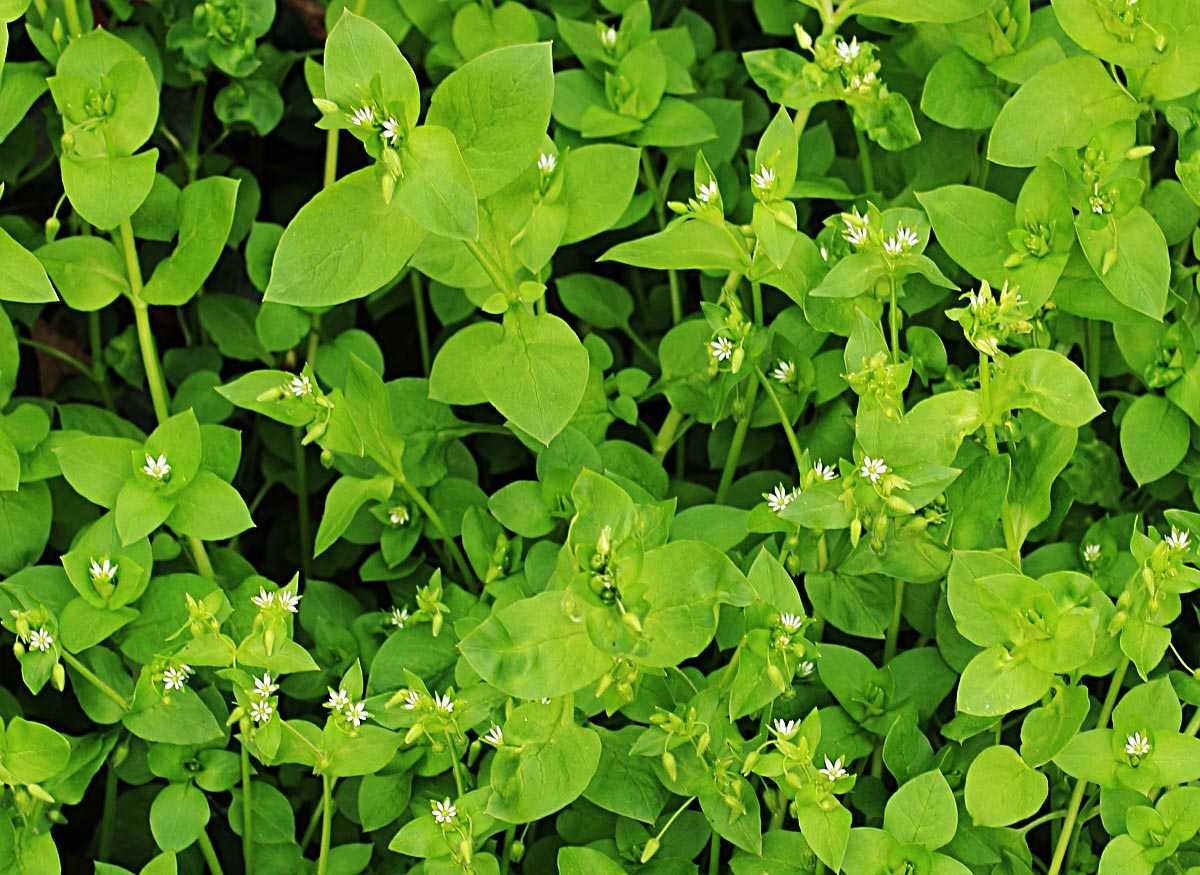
x=985, y=382
x=108, y=820
x=714, y=847
x=432, y=515
x=326, y=824
x=499, y=280
x=247, y=818
x=331, y=158
x=88, y=675
x=658, y=193
x=510, y=835
x=141, y=313
x=894, y=319
x=303, y=520
x=864, y=161
x=204, y=565
x=1044, y=819
x=1091, y=353
x=61, y=355
x=455, y=765
x=735, y=445
x=784, y=420
x=96, y=343
x=74, y=25
x=639, y=342
x=893, y=631
x=666, y=435
x=209, y=853
x=418, y=294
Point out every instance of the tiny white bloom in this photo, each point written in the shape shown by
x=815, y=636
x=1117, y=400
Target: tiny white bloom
x=824, y=254
x=868, y=77
x=363, y=116
x=157, y=469
x=834, y=770
x=1097, y=204
x=765, y=177
x=779, y=498
x=855, y=83
x=300, y=386
x=856, y=236
x=1137, y=745
x=391, y=130
x=785, y=728
x=399, y=617
x=412, y=700
x=1091, y=552
x=103, y=571
x=608, y=37
x=791, y=622
x=494, y=736
x=444, y=812
x=873, y=469
x=907, y=236
x=545, y=700
x=546, y=163
x=41, y=640
x=442, y=702
x=338, y=699
x=356, y=713
x=806, y=668
x=288, y=600
x=825, y=472
x=1177, y=540
x=175, y=678
x=721, y=349
x=892, y=246
x=847, y=51
x=989, y=345
x=261, y=710
x=264, y=686
x=264, y=599
x=708, y=191
x=398, y=515
x=784, y=371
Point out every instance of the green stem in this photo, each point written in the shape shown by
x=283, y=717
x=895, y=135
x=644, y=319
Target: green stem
x=74, y=25
x=893, y=630
x=247, y=810
x=209, y=853
x=735, y=446
x=331, y=158
x=96, y=343
x=326, y=824
x=108, y=820
x=61, y=355
x=714, y=849
x=455, y=765
x=1073, y=804
x=666, y=435
x=510, y=836
x=784, y=420
x=1092, y=353
x=658, y=193
x=864, y=161
x=303, y=520
x=418, y=294
x=985, y=394
x=639, y=342
x=88, y=675
x=432, y=515
x=894, y=319
x=499, y=280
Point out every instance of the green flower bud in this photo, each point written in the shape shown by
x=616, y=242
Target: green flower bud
x=650, y=849
x=669, y=765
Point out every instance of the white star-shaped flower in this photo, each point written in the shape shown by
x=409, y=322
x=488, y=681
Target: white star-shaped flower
x=399, y=617
x=764, y=179
x=412, y=700
x=1091, y=552
x=444, y=812
x=300, y=386
x=834, y=770
x=721, y=349
x=825, y=472
x=708, y=192
x=398, y=515
x=892, y=246
x=806, y=668
x=174, y=678
x=364, y=116
x=264, y=686
x=391, y=131
x=785, y=728
x=906, y=236
x=1137, y=745
x=157, y=469
x=1177, y=540
x=264, y=599
x=791, y=622
x=261, y=710
x=856, y=236
x=103, y=571
x=873, y=469
x=494, y=736
x=784, y=372
x=779, y=498
x=356, y=713
x=338, y=699
x=824, y=254
x=546, y=163
x=288, y=600
x=442, y=702
x=847, y=51
x=41, y=640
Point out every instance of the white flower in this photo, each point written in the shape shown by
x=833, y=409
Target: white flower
x=784, y=372
x=399, y=617
x=264, y=686
x=363, y=116
x=442, y=702
x=356, y=713
x=721, y=348
x=412, y=700
x=834, y=770
x=785, y=728
x=300, y=386
x=494, y=736
x=856, y=235
x=765, y=177
x=1137, y=745
x=103, y=571
x=1097, y=204
x=907, y=236
x=608, y=37
x=158, y=469
x=264, y=599
x=41, y=640
x=806, y=668
x=824, y=254
x=989, y=345
x=873, y=469
x=847, y=51
x=546, y=163
x=545, y=700
x=1177, y=540
x=825, y=472
x=1091, y=552
x=708, y=191
x=791, y=622
x=175, y=678
x=892, y=246
x=391, y=130
x=338, y=700
x=779, y=498
x=398, y=515
x=261, y=710
x=288, y=600
x=444, y=812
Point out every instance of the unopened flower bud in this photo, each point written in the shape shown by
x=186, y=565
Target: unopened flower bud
x=1108, y=262
x=38, y=792
x=58, y=677
x=516, y=850
x=52, y=228
x=669, y=765
x=803, y=37
x=651, y=848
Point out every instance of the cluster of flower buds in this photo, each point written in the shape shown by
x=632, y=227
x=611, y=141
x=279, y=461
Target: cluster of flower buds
x=1123, y=19
x=847, y=68
x=35, y=640
x=502, y=560
x=434, y=713
x=680, y=730
x=731, y=330
x=883, y=381
x=349, y=714
x=865, y=232
x=1168, y=365
x=621, y=680
x=989, y=321
x=430, y=607
x=457, y=830
x=1164, y=572
x=274, y=609
x=303, y=387
x=1034, y=240
x=706, y=202
x=791, y=648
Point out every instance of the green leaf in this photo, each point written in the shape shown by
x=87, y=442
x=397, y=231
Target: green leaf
x=1155, y=435
x=436, y=190
x=684, y=245
x=923, y=811
x=88, y=271
x=205, y=217
x=25, y=278
x=960, y=93
x=209, y=509
x=106, y=191
x=357, y=52
x=178, y=816
x=598, y=184
x=33, y=752
x=343, y=501
x=1050, y=384
x=1002, y=788
x=1139, y=275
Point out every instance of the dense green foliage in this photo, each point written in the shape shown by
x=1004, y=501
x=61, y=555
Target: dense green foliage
x=599, y=436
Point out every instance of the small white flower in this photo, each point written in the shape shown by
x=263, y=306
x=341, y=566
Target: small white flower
x=791, y=622
x=824, y=254
x=892, y=246
x=608, y=37
x=261, y=710
x=1091, y=552
x=264, y=686
x=398, y=515
x=764, y=179
x=494, y=736
x=399, y=617
x=856, y=235
x=338, y=700
x=391, y=131
x=545, y=700
x=1177, y=540
x=300, y=386
x=989, y=345
x=103, y=571
x=158, y=469
x=41, y=640
x=1097, y=204
x=784, y=372
x=806, y=668
x=364, y=116
x=442, y=702
x=847, y=51
x=825, y=472
x=785, y=728
x=907, y=236
x=708, y=192
x=175, y=678
x=264, y=599
x=412, y=700
x=288, y=600
x=873, y=469
x=444, y=812
x=356, y=713
x=834, y=770
x=721, y=349
x=779, y=498
x=546, y=163
x=1137, y=745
